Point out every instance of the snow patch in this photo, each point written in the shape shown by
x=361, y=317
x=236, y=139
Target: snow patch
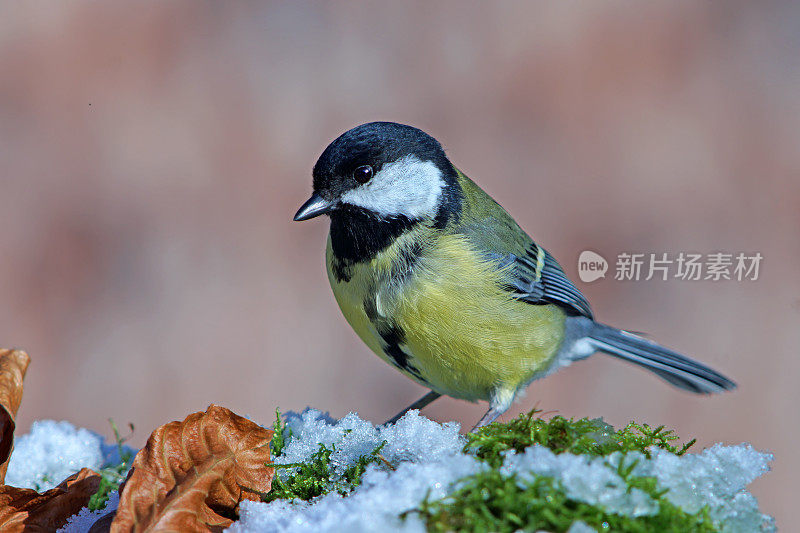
x=428, y=461
x=51, y=452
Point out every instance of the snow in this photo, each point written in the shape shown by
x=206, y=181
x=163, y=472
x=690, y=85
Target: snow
x=428, y=456
x=717, y=477
x=587, y=479
x=373, y=506
x=413, y=438
x=579, y=526
x=51, y=452
x=428, y=460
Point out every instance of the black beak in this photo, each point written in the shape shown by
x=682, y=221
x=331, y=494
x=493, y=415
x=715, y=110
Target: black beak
x=314, y=207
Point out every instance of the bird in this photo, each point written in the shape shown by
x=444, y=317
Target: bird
x=440, y=282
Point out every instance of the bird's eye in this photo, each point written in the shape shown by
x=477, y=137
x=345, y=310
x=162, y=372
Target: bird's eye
x=363, y=173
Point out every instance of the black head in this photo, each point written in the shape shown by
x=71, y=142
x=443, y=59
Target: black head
x=389, y=170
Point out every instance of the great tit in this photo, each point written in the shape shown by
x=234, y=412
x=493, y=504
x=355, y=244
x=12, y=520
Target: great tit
x=439, y=281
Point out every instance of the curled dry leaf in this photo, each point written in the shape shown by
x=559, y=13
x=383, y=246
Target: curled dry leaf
x=27, y=510
x=13, y=364
x=192, y=475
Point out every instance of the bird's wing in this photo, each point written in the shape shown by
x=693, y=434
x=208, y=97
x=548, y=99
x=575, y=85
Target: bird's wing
x=534, y=276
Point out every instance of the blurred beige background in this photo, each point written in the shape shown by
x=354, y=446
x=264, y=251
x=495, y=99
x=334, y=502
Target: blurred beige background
x=152, y=156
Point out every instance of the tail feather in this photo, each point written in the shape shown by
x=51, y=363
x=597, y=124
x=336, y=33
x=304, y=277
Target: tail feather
x=671, y=366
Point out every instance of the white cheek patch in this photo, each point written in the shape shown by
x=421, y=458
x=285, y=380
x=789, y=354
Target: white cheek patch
x=407, y=187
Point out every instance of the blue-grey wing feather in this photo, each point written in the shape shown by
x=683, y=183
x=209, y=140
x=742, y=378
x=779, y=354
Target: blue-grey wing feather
x=545, y=282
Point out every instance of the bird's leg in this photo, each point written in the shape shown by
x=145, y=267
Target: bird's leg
x=501, y=400
x=419, y=404
x=490, y=416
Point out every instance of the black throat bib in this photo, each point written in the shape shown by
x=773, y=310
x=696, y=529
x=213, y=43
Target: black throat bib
x=358, y=235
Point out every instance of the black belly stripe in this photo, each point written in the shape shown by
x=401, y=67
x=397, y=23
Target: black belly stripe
x=393, y=337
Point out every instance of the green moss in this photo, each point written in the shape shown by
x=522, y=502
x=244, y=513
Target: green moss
x=314, y=477
x=584, y=436
x=110, y=478
x=111, y=475
x=281, y=435
x=489, y=501
x=310, y=479
x=352, y=476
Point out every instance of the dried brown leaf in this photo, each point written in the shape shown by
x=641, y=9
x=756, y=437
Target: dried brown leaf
x=27, y=510
x=192, y=475
x=13, y=364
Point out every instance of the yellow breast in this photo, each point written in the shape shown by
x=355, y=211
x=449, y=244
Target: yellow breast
x=466, y=335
